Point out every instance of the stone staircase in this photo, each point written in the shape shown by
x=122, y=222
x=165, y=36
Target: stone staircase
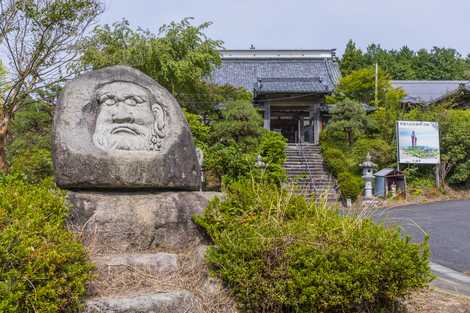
x=306, y=170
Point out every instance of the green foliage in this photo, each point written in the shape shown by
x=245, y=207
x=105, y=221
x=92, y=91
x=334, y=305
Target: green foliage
x=343, y=143
x=230, y=161
x=345, y=170
x=278, y=253
x=33, y=166
x=178, y=57
x=272, y=148
x=382, y=152
x=348, y=122
x=44, y=269
x=360, y=86
x=199, y=130
x=406, y=64
x=352, y=59
x=350, y=185
x=335, y=160
x=28, y=150
x=235, y=141
x=240, y=123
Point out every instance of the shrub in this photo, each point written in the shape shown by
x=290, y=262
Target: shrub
x=33, y=166
x=272, y=148
x=382, y=153
x=350, y=185
x=44, y=269
x=199, y=130
x=335, y=160
x=278, y=253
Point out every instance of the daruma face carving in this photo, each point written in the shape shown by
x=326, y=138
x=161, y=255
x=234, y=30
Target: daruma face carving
x=128, y=118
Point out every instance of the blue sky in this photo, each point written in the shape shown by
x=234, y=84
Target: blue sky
x=293, y=24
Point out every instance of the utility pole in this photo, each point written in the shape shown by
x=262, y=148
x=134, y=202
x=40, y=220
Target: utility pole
x=376, y=83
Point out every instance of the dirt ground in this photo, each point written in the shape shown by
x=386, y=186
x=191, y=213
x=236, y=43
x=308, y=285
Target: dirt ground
x=426, y=196
x=436, y=301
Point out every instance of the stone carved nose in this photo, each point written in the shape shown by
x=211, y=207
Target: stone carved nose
x=121, y=115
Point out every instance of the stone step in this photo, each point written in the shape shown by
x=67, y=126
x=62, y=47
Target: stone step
x=311, y=169
x=166, y=302
x=153, y=262
x=302, y=160
x=317, y=183
x=306, y=178
x=306, y=182
x=302, y=164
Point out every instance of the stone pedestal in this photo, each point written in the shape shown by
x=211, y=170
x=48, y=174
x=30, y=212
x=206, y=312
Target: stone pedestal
x=118, y=222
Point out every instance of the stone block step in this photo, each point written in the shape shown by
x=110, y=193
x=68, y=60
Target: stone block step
x=167, y=302
x=313, y=170
x=154, y=262
x=293, y=165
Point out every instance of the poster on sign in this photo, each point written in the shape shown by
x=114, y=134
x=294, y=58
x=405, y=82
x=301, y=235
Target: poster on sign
x=418, y=142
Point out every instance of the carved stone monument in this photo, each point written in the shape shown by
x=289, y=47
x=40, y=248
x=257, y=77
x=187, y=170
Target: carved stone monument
x=122, y=147
x=116, y=128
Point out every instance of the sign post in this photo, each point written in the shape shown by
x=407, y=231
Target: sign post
x=418, y=143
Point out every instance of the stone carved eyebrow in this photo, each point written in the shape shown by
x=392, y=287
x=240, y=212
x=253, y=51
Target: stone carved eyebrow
x=138, y=99
x=106, y=96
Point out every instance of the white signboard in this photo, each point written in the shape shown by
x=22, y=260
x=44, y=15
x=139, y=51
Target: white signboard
x=418, y=142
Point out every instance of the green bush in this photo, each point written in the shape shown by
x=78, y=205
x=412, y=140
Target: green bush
x=335, y=160
x=382, y=153
x=272, y=149
x=279, y=254
x=236, y=139
x=33, y=166
x=199, y=130
x=350, y=185
x=43, y=267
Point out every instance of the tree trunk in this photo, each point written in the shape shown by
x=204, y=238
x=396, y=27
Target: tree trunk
x=3, y=145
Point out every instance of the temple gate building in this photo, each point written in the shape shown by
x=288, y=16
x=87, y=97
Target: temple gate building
x=289, y=86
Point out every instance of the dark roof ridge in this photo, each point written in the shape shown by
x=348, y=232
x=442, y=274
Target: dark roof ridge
x=290, y=79
x=428, y=81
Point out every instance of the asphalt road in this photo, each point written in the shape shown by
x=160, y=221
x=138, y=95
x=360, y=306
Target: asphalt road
x=447, y=223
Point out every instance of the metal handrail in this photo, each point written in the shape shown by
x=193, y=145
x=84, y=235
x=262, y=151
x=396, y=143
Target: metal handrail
x=312, y=184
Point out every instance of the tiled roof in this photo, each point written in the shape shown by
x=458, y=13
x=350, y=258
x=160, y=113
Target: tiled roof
x=322, y=75
x=290, y=85
x=426, y=91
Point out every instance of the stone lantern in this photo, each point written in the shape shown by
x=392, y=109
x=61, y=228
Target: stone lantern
x=368, y=176
x=259, y=163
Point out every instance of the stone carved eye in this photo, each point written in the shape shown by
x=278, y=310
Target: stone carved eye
x=110, y=102
x=107, y=100
x=134, y=100
x=130, y=101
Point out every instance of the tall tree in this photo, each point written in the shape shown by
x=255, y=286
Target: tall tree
x=352, y=59
x=40, y=38
x=467, y=67
x=360, y=86
x=179, y=57
x=405, y=64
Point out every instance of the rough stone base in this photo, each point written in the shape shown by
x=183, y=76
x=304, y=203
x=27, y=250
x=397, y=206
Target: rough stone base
x=169, y=302
x=119, y=222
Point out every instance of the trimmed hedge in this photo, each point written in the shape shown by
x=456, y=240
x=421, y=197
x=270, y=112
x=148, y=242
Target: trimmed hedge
x=279, y=254
x=43, y=267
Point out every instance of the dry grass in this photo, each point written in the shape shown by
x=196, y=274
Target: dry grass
x=436, y=301
x=192, y=275
x=427, y=195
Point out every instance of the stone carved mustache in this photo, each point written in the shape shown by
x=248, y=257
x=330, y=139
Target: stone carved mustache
x=140, y=133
